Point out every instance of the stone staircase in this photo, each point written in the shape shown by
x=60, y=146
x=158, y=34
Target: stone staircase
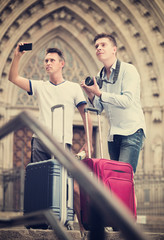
x=21, y=233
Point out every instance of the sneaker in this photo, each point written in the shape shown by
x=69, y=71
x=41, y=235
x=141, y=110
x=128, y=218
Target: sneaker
x=69, y=225
x=83, y=235
x=108, y=229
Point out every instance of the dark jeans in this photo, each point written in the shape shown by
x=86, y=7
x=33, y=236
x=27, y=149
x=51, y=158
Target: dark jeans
x=127, y=148
x=39, y=151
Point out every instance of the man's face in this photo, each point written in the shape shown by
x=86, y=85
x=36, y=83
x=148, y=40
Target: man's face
x=105, y=49
x=53, y=63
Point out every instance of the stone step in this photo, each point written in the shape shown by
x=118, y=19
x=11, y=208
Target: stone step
x=25, y=234
x=21, y=233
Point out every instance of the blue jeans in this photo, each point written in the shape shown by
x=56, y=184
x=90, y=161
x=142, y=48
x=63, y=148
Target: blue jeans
x=127, y=148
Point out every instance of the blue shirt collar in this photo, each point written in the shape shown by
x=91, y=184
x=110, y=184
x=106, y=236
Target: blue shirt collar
x=57, y=84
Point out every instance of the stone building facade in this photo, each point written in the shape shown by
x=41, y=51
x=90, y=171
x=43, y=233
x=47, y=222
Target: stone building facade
x=71, y=25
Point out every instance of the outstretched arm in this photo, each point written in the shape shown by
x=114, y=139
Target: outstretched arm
x=13, y=73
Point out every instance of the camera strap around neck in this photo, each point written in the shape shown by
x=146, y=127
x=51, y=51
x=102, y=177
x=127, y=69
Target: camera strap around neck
x=116, y=73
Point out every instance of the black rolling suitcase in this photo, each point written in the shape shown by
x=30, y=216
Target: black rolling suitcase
x=49, y=186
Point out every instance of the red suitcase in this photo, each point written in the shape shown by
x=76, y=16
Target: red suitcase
x=117, y=176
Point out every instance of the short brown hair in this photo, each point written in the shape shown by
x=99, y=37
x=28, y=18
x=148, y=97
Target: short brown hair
x=105, y=35
x=56, y=50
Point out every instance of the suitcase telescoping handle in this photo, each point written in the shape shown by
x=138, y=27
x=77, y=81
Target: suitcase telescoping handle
x=69, y=188
x=87, y=130
x=52, y=126
x=67, y=191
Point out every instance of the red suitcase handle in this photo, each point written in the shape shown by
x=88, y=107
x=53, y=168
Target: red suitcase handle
x=87, y=130
x=92, y=110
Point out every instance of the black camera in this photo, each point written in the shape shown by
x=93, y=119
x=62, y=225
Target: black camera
x=89, y=81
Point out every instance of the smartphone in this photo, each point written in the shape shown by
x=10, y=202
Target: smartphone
x=25, y=47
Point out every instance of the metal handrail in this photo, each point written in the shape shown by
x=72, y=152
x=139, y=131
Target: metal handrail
x=108, y=205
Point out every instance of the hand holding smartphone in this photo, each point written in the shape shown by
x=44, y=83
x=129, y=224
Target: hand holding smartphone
x=25, y=47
